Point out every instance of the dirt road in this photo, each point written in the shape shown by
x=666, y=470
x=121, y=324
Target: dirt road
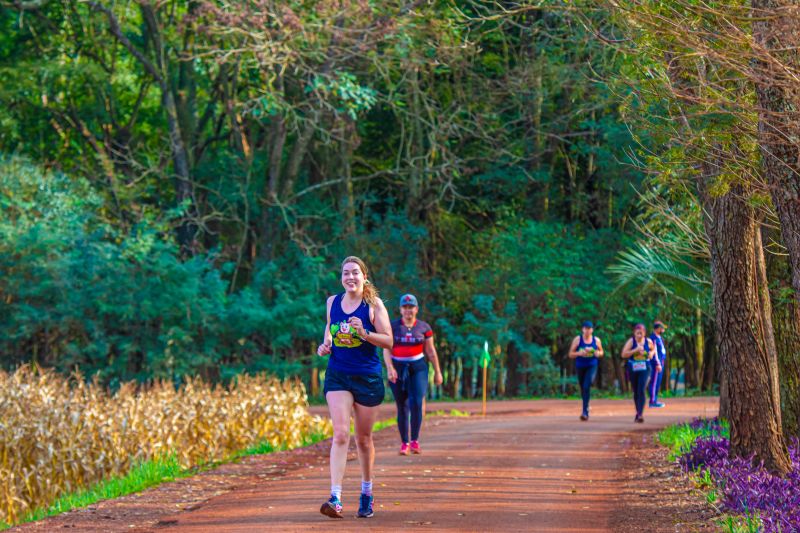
x=527, y=466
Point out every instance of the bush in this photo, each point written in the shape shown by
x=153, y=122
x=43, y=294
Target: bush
x=77, y=292
x=745, y=488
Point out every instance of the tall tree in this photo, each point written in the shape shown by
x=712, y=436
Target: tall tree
x=776, y=33
x=674, y=41
x=743, y=321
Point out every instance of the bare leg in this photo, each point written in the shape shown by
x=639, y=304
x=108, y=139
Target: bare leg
x=340, y=405
x=365, y=420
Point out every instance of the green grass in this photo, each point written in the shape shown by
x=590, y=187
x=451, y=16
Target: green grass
x=265, y=448
x=452, y=412
x=141, y=476
x=740, y=524
x=383, y=424
x=679, y=438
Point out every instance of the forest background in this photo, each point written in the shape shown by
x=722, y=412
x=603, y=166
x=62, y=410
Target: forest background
x=180, y=180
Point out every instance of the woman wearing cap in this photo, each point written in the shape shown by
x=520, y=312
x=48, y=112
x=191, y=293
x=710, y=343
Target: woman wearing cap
x=639, y=351
x=586, y=349
x=407, y=370
x=358, y=324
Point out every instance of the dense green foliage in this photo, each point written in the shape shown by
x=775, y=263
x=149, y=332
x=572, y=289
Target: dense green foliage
x=188, y=176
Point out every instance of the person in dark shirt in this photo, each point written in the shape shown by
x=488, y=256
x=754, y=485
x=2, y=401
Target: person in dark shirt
x=658, y=364
x=357, y=326
x=586, y=349
x=407, y=368
x=638, y=352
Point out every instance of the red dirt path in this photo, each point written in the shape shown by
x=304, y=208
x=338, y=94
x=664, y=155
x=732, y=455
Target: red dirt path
x=527, y=466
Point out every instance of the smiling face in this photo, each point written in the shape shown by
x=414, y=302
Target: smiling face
x=409, y=313
x=352, y=278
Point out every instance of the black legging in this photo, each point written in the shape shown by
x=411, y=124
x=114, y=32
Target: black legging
x=639, y=384
x=409, y=392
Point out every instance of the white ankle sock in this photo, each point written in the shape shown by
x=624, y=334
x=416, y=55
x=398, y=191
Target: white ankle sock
x=366, y=487
x=336, y=490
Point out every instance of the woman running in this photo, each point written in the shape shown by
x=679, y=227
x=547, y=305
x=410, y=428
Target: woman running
x=407, y=370
x=586, y=349
x=639, y=350
x=357, y=326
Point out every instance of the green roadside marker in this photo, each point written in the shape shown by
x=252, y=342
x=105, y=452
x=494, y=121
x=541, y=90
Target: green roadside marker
x=485, y=357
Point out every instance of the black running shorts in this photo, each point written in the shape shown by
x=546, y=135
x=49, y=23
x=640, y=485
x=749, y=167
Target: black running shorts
x=367, y=390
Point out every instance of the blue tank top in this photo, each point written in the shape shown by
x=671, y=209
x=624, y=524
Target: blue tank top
x=646, y=346
x=586, y=362
x=350, y=353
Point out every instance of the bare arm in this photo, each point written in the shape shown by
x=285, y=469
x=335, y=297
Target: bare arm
x=599, y=351
x=573, y=353
x=382, y=336
x=327, y=338
x=391, y=373
x=627, y=352
x=433, y=357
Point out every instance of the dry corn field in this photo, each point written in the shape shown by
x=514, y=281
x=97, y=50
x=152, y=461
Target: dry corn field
x=58, y=435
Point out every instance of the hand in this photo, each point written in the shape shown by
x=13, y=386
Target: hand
x=658, y=368
x=438, y=379
x=582, y=352
x=391, y=374
x=357, y=325
x=324, y=349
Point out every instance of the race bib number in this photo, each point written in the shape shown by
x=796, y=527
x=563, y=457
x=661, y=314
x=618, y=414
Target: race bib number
x=638, y=366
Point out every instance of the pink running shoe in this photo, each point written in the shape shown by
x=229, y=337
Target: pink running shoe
x=415, y=447
x=404, y=449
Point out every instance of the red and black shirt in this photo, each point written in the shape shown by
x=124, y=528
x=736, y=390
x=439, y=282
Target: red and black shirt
x=410, y=341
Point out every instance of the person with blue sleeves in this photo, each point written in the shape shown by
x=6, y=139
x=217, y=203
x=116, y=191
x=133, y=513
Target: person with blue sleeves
x=658, y=364
x=586, y=349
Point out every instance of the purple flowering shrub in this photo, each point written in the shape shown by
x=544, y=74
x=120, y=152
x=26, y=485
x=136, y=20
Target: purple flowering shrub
x=746, y=488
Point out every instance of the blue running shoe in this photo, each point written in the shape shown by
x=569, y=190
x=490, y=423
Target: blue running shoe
x=365, y=506
x=332, y=508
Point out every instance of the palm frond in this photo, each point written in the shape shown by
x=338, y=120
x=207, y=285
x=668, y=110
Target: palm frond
x=642, y=268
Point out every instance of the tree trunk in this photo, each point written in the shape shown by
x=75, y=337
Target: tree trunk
x=180, y=155
x=786, y=322
x=699, y=346
x=724, y=395
x=459, y=377
x=776, y=29
x=161, y=74
x=619, y=372
x=743, y=325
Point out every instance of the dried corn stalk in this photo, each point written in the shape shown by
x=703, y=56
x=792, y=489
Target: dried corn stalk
x=58, y=435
